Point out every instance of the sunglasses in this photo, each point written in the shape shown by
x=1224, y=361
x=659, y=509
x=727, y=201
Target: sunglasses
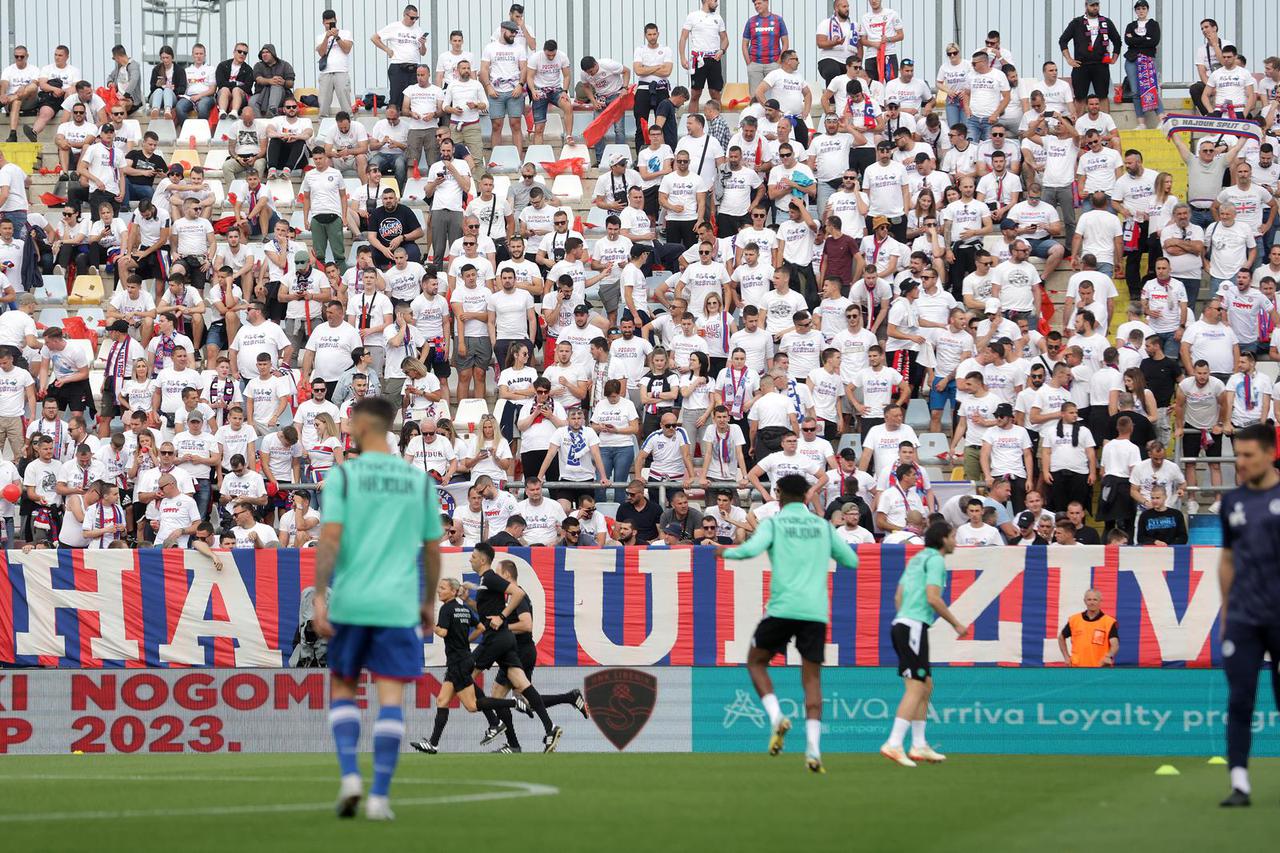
x=849, y=178
x=472, y=243
x=705, y=254
x=413, y=17
x=682, y=162
x=19, y=56
x=668, y=426
x=757, y=216
x=242, y=52
x=809, y=429
x=167, y=453
x=953, y=53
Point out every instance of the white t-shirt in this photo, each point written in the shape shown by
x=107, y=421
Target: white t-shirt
x=1098, y=230
x=576, y=463
x=332, y=347
x=193, y=236
x=402, y=41
x=1212, y=342
x=985, y=91
x=1006, y=449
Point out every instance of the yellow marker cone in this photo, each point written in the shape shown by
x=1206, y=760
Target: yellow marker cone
x=1218, y=760
x=1167, y=770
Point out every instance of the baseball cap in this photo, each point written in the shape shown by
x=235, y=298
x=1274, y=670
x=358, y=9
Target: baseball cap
x=301, y=256
x=582, y=309
x=772, y=104
x=1004, y=410
x=673, y=529
x=893, y=104
x=119, y=326
x=991, y=306
x=908, y=286
x=849, y=507
x=195, y=416
x=510, y=26
x=831, y=117
x=1026, y=520
x=1008, y=225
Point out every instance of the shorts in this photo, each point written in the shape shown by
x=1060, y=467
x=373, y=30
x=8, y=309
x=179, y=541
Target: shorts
x=1095, y=76
x=110, y=405
x=1041, y=248
x=155, y=265
x=499, y=647
x=460, y=672
x=1191, y=443
x=550, y=98
x=394, y=653
x=938, y=399
x=528, y=662
x=439, y=363
x=479, y=354
x=74, y=396
x=506, y=105
x=216, y=335
x=611, y=296
x=774, y=633
x=708, y=75
x=911, y=642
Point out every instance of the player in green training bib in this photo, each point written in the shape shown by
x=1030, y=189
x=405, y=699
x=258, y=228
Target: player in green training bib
x=801, y=546
x=919, y=602
x=379, y=536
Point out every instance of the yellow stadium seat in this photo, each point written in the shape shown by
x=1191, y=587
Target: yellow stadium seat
x=87, y=290
x=25, y=155
x=188, y=157
x=735, y=92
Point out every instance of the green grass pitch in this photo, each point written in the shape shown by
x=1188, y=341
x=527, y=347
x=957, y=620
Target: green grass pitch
x=238, y=803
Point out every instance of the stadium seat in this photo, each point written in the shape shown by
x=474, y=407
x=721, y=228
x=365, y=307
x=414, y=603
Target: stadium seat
x=539, y=154
x=388, y=182
x=163, y=128
x=353, y=186
x=504, y=158
x=734, y=92
x=295, y=222
x=577, y=150
x=502, y=186
x=568, y=188
x=326, y=129
x=466, y=418
x=86, y=290
x=195, y=131
x=851, y=439
x=188, y=157
x=222, y=133
x=219, y=192
x=931, y=445
x=303, y=109
x=415, y=190
x=214, y=159
x=51, y=317
x=608, y=509
x=282, y=195
x=918, y=414
x=54, y=290
x=595, y=219
x=1270, y=369
x=133, y=128
x=555, y=124
x=612, y=149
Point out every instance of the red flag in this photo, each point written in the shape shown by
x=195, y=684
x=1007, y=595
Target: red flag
x=223, y=225
x=213, y=118
x=555, y=168
x=608, y=117
x=737, y=102
x=528, y=120
x=109, y=95
x=51, y=200
x=1046, y=311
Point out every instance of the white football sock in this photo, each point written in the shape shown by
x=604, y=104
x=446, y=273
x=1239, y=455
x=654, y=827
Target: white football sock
x=899, y=732
x=1240, y=779
x=812, y=734
x=917, y=733
x=772, y=708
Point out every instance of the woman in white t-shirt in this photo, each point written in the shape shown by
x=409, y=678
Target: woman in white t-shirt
x=515, y=385
x=951, y=80
x=136, y=391
x=423, y=396
x=716, y=326
x=617, y=423
x=487, y=452
x=326, y=450
x=106, y=239
x=695, y=394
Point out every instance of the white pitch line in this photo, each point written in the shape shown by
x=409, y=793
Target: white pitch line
x=515, y=790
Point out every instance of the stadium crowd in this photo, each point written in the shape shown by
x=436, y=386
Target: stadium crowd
x=771, y=296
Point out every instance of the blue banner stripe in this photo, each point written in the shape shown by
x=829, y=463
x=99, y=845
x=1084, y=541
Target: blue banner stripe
x=566, y=636
x=1035, y=602
x=615, y=607
x=844, y=607
x=705, y=566
x=154, y=613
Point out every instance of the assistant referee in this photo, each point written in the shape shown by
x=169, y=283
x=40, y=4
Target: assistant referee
x=1249, y=576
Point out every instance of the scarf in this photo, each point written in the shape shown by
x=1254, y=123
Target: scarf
x=164, y=354
x=225, y=395
x=116, y=518
x=1075, y=432
x=737, y=392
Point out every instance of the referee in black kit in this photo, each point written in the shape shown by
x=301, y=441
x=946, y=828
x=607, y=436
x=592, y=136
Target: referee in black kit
x=1249, y=576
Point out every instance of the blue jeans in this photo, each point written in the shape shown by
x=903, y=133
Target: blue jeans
x=1171, y=347
x=137, y=192
x=185, y=107
x=1131, y=74
x=618, y=130
x=617, y=467
x=979, y=129
x=1201, y=216
x=19, y=220
x=1109, y=270
x=955, y=114
x=163, y=99
x=203, y=491
x=1041, y=248
x=1192, y=286
x=394, y=161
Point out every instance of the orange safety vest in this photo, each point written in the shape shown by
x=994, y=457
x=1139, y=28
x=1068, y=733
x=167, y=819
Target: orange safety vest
x=1090, y=639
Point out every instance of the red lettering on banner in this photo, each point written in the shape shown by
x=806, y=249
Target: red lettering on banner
x=94, y=728
x=18, y=692
x=157, y=692
x=259, y=693
x=308, y=688
x=195, y=692
x=866, y=639
x=13, y=731
x=427, y=688
x=100, y=690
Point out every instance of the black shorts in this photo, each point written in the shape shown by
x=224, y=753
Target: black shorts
x=74, y=396
x=499, y=647
x=912, y=645
x=708, y=75
x=459, y=672
x=438, y=363
x=528, y=662
x=110, y=405
x=1095, y=76
x=1191, y=443
x=155, y=265
x=774, y=633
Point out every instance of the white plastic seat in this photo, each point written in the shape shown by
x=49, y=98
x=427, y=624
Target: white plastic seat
x=214, y=159
x=415, y=190
x=918, y=414
x=539, y=154
x=501, y=186
x=567, y=188
x=328, y=126
x=932, y=446
x=578, y=150
x=163, y=128
x=282, y=195
x=504, y=158
x=222, y=133
x=219, y=192
x=852, y=440
x=466, y=418
x=295, y=222
x=195, y=129
x=595, y=219
x=612, y=149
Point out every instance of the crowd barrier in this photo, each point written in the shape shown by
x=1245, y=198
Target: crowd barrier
x=611, y=607
x=1043, y=711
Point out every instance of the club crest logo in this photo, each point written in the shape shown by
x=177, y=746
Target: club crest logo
x=621, y=702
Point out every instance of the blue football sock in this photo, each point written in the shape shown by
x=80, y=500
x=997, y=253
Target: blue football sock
x=388, y=731
x=344, y=719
